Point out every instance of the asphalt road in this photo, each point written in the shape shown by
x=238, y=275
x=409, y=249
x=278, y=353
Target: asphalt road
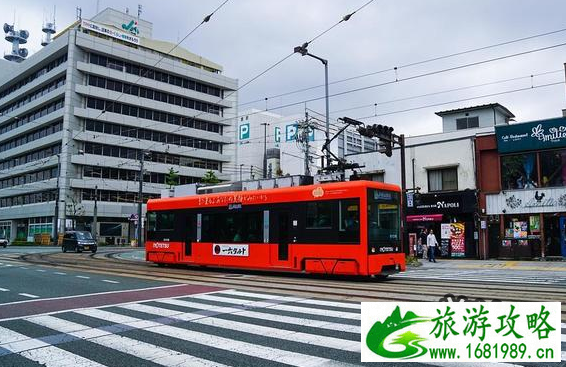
x=88, y=319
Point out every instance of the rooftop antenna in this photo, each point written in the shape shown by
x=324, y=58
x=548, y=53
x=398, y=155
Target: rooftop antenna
x=139, y=11
x=16, y=38
x=128, y=11
x=79, y=13
x=49, y=30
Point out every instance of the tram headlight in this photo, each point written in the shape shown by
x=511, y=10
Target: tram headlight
x=373, y=249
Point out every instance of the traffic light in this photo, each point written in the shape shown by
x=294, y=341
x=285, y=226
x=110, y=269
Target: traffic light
x=383, y=133
x=386, y=147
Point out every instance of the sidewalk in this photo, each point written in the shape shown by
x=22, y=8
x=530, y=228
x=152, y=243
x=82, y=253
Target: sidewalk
x=495, y=264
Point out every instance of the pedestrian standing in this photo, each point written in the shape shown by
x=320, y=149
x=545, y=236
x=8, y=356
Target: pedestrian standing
x=423, y=239
x=432, y=244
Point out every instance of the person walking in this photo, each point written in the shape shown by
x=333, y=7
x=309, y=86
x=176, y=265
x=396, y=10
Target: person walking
x=432, y=244
x=423, y=239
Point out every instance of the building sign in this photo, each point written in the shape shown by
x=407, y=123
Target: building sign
x=230, y=250
x=132, y=27
x=244, y=131
x=277, y=135
x=544, y=134
x=445, y=203
x=291, y=132
x=457, y=239
x=109, y=31
x=527, y=201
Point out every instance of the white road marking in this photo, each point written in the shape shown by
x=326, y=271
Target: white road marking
x=4, y=290
x=356, y=306
x=59, y=273
x=23, y=267
x=41, y=270
x=110, y=281
x=281, y=307
x=273, y=354
x=150, y=352
x=28, y=295
x=290, y=335
x=41, y=352
x=82, y=277
x=265, y=316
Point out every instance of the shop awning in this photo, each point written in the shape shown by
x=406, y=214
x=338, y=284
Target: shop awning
x=424, y=218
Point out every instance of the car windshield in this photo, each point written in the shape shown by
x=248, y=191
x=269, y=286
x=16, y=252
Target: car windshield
x=84, y=236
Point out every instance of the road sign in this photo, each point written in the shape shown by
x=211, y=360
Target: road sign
x=133, y=217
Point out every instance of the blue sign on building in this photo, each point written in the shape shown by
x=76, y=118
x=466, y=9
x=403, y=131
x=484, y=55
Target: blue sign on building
x=536, y=135
x=244, y=131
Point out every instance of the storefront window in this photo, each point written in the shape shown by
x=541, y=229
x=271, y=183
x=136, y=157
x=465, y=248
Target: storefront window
x=519, y=171
x=553, y=168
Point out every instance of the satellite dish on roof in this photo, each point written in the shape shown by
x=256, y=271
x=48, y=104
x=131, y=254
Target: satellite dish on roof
x=7, y=28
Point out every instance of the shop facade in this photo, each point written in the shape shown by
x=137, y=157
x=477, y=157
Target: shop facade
x=452, y=217
x=523, y=200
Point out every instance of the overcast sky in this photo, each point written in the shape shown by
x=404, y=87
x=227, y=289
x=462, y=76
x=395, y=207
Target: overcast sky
x=247, y=36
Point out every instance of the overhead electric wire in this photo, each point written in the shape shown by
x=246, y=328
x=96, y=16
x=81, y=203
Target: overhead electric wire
x=440, y=71
x=407, y=65
x=463, y=100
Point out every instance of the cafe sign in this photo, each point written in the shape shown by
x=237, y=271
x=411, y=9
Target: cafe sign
x=537, y=135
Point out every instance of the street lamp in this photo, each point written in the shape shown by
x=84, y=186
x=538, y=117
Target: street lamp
x=304, y=52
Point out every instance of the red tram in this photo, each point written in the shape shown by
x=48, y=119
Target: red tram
x=347, y=228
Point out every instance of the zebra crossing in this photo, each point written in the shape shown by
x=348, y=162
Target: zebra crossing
x=221, y=328
x=485, y=275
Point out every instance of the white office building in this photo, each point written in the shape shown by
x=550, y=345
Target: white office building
x=92, y=102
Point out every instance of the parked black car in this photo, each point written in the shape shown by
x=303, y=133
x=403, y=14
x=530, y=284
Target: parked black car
x=78, y=241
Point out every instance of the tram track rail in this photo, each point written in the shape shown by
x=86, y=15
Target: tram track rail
x=352, y=289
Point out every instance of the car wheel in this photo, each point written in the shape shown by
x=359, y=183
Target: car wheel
x=63, y=248
x=94, y=250
x=77, y=249
x=5, y=245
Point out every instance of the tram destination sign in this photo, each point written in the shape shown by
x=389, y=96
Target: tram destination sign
x=536, y=135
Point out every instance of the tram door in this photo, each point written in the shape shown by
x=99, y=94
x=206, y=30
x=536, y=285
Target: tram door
x=283, y=246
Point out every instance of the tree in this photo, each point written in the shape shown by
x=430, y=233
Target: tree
x=210, y=178
x=172, y=178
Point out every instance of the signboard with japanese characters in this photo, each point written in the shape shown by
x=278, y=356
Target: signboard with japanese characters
x=230, y=250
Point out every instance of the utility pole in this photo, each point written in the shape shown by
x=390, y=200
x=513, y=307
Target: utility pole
x=303, y=139
x=404, y=234
x=56, y=225
x=264, y=149
x=241, y=165
x=94, y=229
x=140, y=199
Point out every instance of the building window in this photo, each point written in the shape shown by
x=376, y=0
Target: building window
x=519, y=171
x=553, y=168
x=445, y=179
x=467, y=123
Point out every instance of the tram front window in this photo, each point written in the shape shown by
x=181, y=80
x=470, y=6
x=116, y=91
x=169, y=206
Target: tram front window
x=383, y=221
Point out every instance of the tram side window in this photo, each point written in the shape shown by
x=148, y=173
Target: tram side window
x=160, y=224
x=319, y=215
x=232, y=227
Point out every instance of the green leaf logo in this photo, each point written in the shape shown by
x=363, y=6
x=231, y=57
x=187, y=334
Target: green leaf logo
x=379, y=332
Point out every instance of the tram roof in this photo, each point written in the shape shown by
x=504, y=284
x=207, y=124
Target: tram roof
x=326, y=191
